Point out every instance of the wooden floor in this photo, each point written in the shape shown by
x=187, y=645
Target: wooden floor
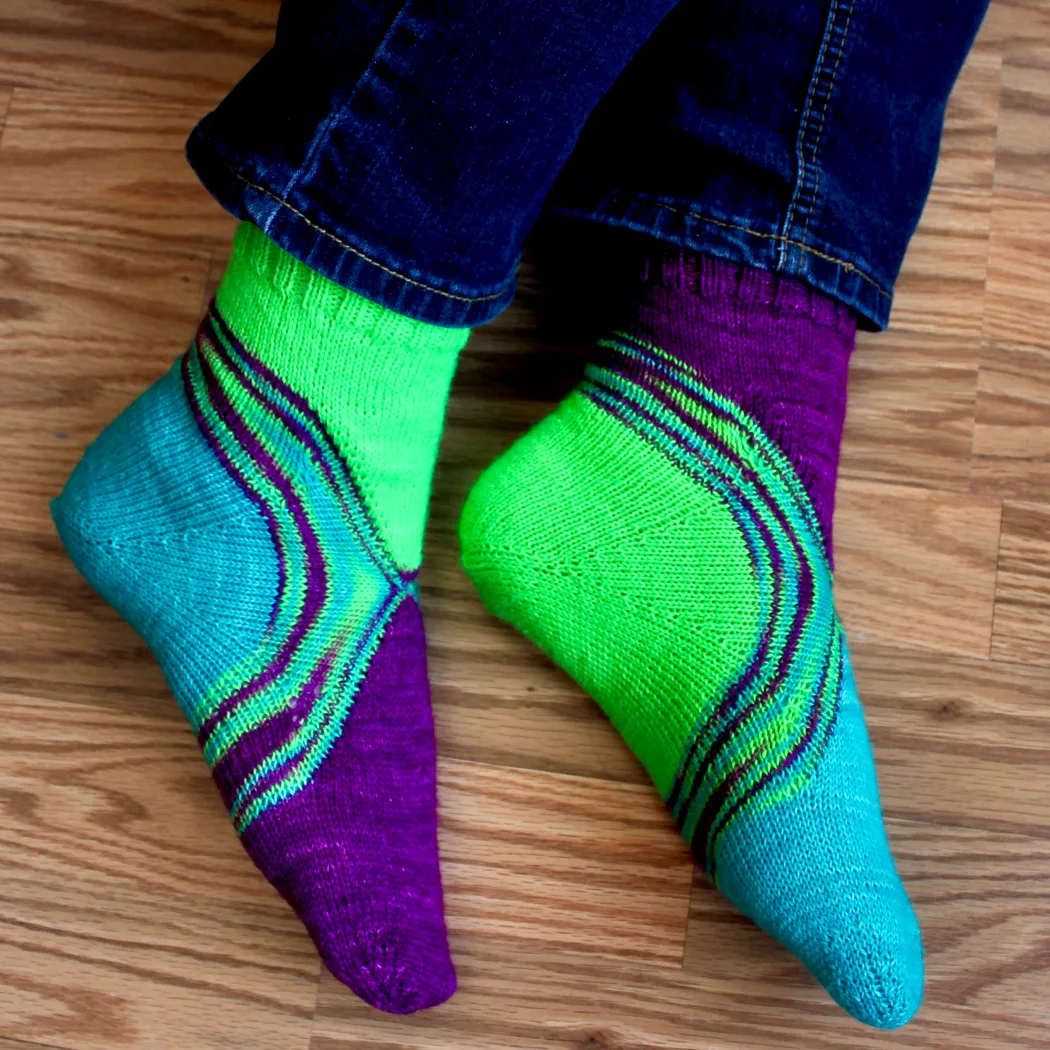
x=130, y=918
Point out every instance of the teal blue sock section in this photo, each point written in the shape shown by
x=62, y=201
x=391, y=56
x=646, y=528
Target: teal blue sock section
x=816, y=873
x=159, y=529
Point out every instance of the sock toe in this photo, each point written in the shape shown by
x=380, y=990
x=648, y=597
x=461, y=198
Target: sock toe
x=816, y=872
x=356, y=853
x=395, y=958
x=257, y=515
x=394, y=969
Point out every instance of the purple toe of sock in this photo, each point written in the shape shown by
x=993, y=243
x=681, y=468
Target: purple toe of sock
x=355, y=853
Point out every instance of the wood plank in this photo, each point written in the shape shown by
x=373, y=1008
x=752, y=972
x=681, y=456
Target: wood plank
x=960, y=742
x=1021, y=627
x=1017, y=25
x=530, y=1000
x=569, y=863
x=1018, y=270
x=1011, y=442
x=913, y=388
x=911, y=409
x=967, y=156
x=1011, y=450
x=162, y=49
x=85, y=329
x=916, y=567
x=982, y=900
x=118, y=791
x=101, y=168
x=1022, y=156
x=95, y=966
x=498, y=699
x=111, y=782
x=18, y=1044
x=941, y=285
x=216, y=268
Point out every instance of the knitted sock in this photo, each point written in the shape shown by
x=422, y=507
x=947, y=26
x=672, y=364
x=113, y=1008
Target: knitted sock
x=257, y=515
x=664, y=537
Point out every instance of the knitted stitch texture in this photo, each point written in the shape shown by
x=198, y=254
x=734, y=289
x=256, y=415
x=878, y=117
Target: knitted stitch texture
x=655, y=540
x=257, y=515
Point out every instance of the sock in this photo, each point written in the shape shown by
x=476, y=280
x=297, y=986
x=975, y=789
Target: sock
x=664, y=536
x=257, y=515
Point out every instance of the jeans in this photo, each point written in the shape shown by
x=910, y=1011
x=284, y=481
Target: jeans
x=404, y=148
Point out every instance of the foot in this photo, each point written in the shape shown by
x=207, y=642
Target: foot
x=664, y=537
x=257, y=515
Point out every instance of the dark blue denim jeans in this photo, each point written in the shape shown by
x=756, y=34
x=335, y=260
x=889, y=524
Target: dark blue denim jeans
x=405, y=148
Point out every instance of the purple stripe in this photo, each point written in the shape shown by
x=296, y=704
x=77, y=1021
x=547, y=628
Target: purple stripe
x=717, y=797
x=316, y=570
x=242, y=484
x=312, y=689
x=638, y=373
x=317, y=453
x=254, y=747
x=783, y=767
x=713, y=439
x=271, y=377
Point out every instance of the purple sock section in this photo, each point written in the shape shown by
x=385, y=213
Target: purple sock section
x=776, y=347
x=355, y=852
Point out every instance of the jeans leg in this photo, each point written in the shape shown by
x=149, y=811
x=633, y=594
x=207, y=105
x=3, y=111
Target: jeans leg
x=799, y=136
x=403, y=148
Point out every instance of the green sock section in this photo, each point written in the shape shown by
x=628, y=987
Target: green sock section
x=379, y=380
x=661, y=549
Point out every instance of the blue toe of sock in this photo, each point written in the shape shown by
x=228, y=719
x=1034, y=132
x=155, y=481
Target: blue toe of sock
x=817, y=874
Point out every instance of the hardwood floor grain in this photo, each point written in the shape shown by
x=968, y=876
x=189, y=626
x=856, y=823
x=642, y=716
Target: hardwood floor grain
x=118, y=792
x=1011, y=448
x=104, y=168
x=941, y=285
x=1018, y=270
x=175, y=50
x=563, y=863
x=1017, y=25
x=86, y=965
x=939, y=722
x=1022, y=156
x=85, y=328
x=18, y=1044
x=915, y=566
x=967, y=160
x=517, y=1000
x=130, y=918
x=912, y=398
x=1021, y=630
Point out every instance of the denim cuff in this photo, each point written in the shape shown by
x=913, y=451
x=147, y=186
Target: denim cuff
x=737, y=241
x=333, y=255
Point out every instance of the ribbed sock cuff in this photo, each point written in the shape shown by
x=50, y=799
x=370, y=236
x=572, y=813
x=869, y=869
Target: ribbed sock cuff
x=268, y=293
x=710, y=278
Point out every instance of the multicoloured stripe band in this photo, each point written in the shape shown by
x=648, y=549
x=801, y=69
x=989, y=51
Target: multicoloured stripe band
x=337, y=587
x=759, y=742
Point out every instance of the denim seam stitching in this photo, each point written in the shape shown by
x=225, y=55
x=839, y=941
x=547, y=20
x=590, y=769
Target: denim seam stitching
x=355, y=251
x=779, y=238
x=832, y=80
x=323, y=130
x=801, y=199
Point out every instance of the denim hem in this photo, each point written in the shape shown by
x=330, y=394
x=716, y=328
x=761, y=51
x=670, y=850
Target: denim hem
x=333, y=255
x=737, y=241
